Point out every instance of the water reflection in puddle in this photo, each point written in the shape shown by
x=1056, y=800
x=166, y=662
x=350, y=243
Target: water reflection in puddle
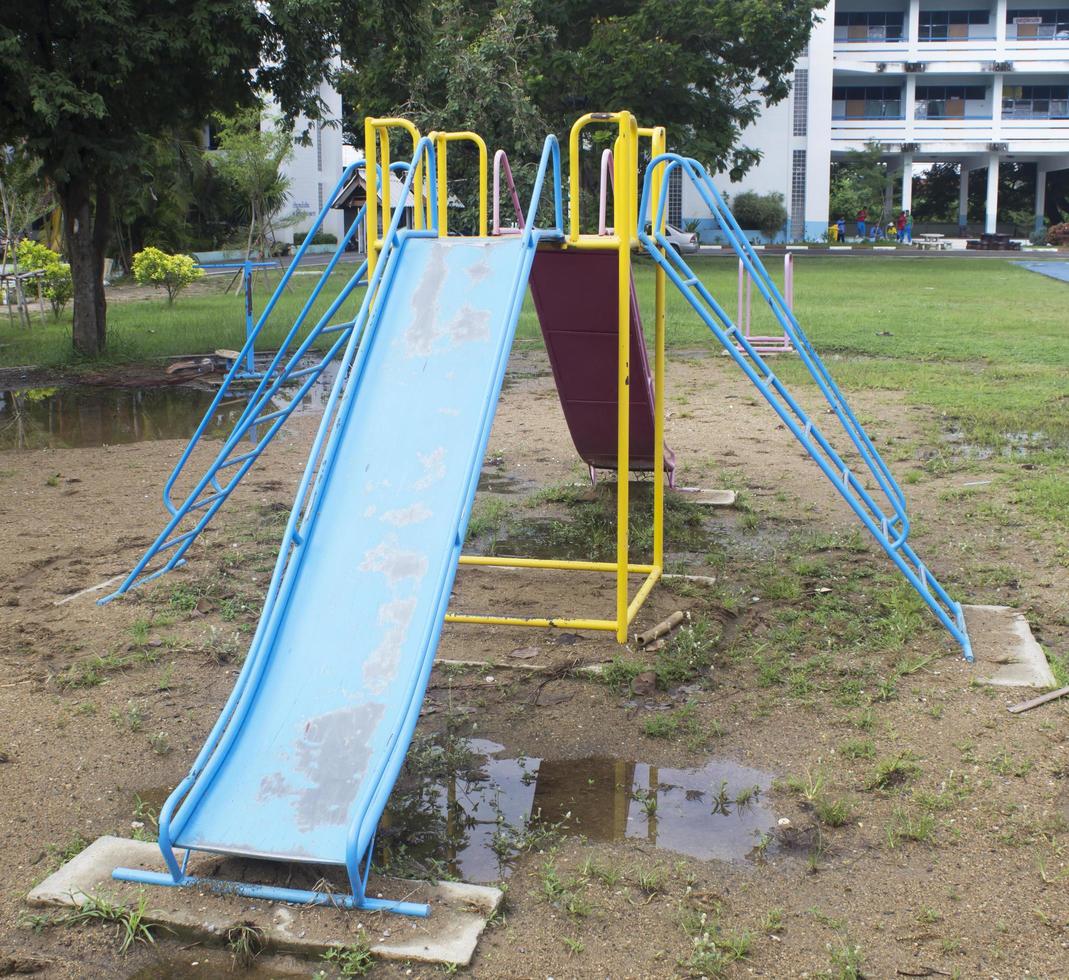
x=76, y=416
x=474, y=819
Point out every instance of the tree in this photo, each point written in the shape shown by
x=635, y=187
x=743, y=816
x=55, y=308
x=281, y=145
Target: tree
x=704, y=69
x=24, y=199
x=765, y=212
x=861, y=180
x=87, y=84
x=251, y=159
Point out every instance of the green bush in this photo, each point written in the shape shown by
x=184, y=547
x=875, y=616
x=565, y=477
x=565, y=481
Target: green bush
x=319, y=238
x=151, y=267
x=57, y=285
x=765, y=212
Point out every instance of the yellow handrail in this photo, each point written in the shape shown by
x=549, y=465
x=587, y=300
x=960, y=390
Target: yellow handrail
x=441, y=143
x=376, y=136
x=625, y=172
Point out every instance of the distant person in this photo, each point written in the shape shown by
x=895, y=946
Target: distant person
x=908, y=229
x=862, y=219
x=874, y=231
x=890, y=231
x=900, y=226
x=840, y=230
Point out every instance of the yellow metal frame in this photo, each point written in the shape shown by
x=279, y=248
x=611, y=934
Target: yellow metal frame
x=622, y=241
x=376, y=155
x=441, y=150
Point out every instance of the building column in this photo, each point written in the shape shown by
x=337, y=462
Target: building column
x=963, y=195
x=907, y=182
x=1000, y=25
x=991, y=207
x=913, y=26
x=1041, y=196
x=909, y=104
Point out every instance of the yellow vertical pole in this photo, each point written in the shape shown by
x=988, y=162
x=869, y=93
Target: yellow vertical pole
x=417, y=195
x=384, y=162
x=443, y=186
x=371, y=185
x=657, y=148
x=621, y=213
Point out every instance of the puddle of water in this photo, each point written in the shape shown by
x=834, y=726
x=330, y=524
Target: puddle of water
x=494, y=481
x=76, y=416
x=1015, y=444
x=473, y=819
x=203, y=962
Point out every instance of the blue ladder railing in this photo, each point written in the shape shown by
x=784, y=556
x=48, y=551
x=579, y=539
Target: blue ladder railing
x=891, y=530
x=211, y=490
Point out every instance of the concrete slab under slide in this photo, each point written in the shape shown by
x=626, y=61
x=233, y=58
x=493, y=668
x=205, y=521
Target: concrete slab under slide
x=459, y=912
x=1007, y=655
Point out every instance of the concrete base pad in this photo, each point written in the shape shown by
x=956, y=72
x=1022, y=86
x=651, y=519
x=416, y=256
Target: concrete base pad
x=1006, y=652
x=459, y=912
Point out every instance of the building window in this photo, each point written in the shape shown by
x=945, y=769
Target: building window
x=952, y=102
x=801, y=101
x=675, y=198
x=1037, y=23
x=1035, y=102
x=866, y=102
x=955, y=25
x=862, y=26
x=797, y=229
x=319, y=146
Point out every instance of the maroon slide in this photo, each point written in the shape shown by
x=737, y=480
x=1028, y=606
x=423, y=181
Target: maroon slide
x=575, y=296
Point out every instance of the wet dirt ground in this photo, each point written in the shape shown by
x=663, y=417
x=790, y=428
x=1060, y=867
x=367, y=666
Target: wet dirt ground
x=804, y=781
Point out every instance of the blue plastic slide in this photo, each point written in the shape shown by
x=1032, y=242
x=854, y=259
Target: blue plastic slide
x=341, y=661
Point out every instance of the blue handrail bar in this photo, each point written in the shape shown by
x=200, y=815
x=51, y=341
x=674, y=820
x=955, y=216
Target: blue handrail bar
x=947, y=610
x=264, y=316
x=787, y=319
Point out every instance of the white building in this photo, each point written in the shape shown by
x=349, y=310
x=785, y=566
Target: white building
x=964, y=81
x=314, y=169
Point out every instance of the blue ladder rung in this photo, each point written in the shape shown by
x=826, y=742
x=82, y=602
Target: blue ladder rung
x=182, y=537
x=205, y=501
x=261, y=420
x=692, y=281
x=238, y=459
x=336, y=327
x=305, y=371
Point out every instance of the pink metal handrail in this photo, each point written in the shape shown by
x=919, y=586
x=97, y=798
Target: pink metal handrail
x=501, y=160
x=765, y=345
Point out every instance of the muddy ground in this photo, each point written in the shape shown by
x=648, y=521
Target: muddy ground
x=927, y=828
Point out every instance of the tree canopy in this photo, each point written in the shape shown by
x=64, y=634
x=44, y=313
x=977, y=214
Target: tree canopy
x=86, y=85
x=514, y=69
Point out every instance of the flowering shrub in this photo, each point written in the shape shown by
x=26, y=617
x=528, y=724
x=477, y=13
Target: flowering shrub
x=152, y=267
x=57, y=284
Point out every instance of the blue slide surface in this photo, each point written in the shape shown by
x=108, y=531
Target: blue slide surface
x=341, y=661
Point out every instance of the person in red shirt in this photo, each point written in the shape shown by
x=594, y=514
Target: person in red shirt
x=862, y=218
x=900, y=224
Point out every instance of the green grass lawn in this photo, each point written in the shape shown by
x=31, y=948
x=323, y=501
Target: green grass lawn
x=983, y=342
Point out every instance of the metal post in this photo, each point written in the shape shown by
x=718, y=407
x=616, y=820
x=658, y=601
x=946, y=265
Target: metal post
x=621, y=211
x=247, y=272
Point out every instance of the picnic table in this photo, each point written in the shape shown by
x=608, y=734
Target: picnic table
x=931, y=241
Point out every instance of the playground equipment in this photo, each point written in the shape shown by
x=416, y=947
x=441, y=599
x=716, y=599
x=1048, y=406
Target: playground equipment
x=321, y=715
x=764, y=345
x=245, y=269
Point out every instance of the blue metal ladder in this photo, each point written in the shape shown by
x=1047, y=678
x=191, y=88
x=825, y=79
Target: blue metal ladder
x=191, y=514
x=889, y=528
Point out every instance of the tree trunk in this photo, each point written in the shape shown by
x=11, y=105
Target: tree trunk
x=86, y=229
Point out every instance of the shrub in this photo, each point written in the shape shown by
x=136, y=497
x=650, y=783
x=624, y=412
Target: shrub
x=152, y=267
x=765, y=212
x=1058, y=234
x=57, y=284
x=319, y=238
